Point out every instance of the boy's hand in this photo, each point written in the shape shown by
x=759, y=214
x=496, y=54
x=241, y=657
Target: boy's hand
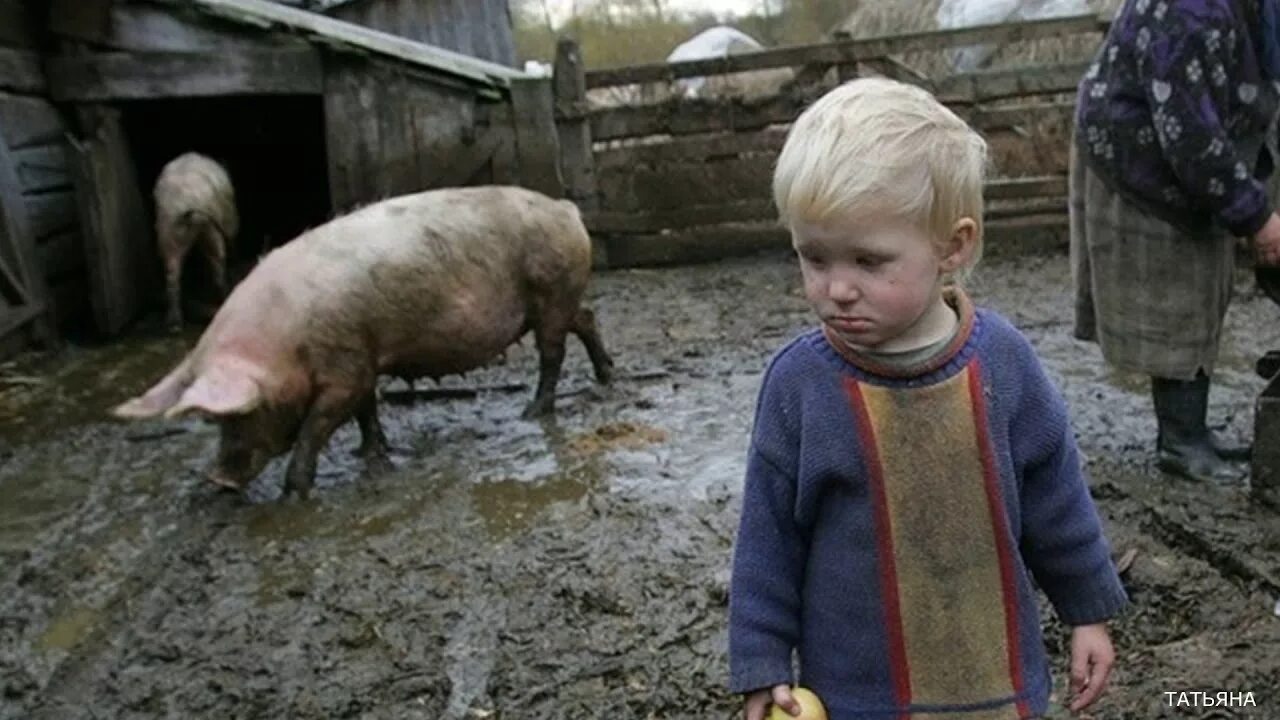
x=758, y=702
x=1091, y=659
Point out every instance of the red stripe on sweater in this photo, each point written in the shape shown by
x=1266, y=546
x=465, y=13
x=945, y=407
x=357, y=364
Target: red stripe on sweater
x=884, y=546
x=999, y=524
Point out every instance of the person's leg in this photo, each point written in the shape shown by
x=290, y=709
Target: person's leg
x=1184, y=445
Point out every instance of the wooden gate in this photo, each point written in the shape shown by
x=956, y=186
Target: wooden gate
x=23, y=297
x=118, y=240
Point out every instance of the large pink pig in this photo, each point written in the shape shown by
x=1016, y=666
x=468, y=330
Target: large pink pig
x=429, y=284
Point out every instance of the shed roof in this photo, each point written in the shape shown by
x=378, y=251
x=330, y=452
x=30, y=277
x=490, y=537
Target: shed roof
x=331, y=31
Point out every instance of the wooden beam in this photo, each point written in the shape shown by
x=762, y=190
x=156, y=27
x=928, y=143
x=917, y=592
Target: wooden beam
x=577, y=160
x=42, y=167
x=691, y=150
x=894, y=68
x=850, y=51
x=16, y=28
x=1022, y=208
x=537, y=143
x=140, y=76
x=29, y=121
x=152, y=28
x=20, y=71
x=1026, y=187
x=1003, y=118
x=693, y=246
x=686, y=117
x=51, y=212
x=969, y=88
x=61, y=256
x=1013, y=197
x=337, y=33
x=17, y=245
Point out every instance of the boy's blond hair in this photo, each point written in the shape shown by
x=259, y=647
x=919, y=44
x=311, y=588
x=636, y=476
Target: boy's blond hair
x=880, y=147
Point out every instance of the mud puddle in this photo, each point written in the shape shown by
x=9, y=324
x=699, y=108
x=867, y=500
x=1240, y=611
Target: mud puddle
x=571, y=568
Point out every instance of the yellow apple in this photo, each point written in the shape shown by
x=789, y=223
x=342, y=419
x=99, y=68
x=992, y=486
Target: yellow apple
x=810, y=707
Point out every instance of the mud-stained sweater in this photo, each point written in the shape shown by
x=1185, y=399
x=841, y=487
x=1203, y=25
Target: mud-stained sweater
x=1173, y=111
x=893, y=522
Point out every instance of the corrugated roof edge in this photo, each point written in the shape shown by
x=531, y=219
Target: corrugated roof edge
x=267, y=14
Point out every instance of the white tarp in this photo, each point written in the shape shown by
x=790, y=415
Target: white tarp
x=718, y=41
x=964, y=13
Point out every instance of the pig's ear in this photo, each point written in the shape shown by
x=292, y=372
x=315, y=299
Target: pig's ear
x=158, y=399
x=219, y=391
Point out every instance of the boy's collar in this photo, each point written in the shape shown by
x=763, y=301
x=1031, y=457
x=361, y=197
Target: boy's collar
x=957, y=298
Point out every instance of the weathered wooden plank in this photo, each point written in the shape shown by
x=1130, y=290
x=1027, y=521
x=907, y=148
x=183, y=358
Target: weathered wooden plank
x=20, y=71
x=1023, y=208
x=850, y=51
x=657, y=189
x=1033, y=196
x=139, y=27
x=692, y=246
x=387, y=131
x=337, y=32
x=1025, y=187
x=896, y=69
x=120, y=254
x=687, y=117
x=16, y=27
x=17, y=246
x=468, y=161
x=29, y=121
x=1010, y=237
x=691, y=150
x=576, y=158
x=1017, y=82
x=51, y=212
x=537, y=143
x=685, y=217
x=138, y=76
x=42, y=167
x=61, y=256
x=1002, y=118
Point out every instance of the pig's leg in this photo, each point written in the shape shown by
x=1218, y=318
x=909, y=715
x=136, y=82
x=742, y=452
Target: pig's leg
x=331, y=407
x=550, y=330
x=373, y=442
x=215, y=252
x=173, y=287
x=584, y=326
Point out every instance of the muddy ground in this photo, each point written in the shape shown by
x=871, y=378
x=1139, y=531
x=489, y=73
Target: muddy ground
x=573, y=568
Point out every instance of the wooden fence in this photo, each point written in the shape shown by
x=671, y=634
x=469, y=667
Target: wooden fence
x=685, y=180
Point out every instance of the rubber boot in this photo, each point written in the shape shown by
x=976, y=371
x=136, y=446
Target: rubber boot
x=1184, y=445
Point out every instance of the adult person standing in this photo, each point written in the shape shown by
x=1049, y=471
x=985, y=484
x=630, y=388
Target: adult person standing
x=1167, y=165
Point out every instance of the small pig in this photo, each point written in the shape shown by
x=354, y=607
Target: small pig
x=429, y=284
x=195, y=205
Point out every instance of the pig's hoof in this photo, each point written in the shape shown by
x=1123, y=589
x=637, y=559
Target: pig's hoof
x=378, y=463
x=537, y=409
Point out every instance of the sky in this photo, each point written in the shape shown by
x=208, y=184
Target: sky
x=560, y=8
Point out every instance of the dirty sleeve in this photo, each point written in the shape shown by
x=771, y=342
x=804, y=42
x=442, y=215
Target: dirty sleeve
x=768, y=562
x=1062, y=540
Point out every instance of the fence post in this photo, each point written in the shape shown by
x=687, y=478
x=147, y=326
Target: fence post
x=537, y=146
x=844, y=71
x=576, y=161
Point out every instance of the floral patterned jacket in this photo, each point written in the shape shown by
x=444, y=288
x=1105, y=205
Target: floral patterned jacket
x=1173, y=113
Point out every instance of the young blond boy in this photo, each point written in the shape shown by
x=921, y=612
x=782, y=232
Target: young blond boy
x=911, y=467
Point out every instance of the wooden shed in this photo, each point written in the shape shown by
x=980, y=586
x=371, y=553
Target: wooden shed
x=311, y=115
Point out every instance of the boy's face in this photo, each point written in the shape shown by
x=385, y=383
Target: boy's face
x=873, y=281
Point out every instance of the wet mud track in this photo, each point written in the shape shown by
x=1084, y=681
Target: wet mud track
x=571, y=568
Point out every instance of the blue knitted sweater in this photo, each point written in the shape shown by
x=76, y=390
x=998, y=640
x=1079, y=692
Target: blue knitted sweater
x=892, y=526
